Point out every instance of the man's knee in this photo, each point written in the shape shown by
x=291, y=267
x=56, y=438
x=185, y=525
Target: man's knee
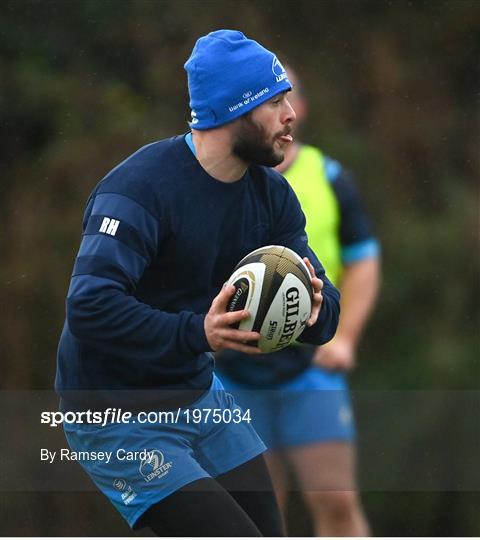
x=337, y=504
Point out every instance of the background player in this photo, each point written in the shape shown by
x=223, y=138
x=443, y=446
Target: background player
x=300, y=399
x=161, y=234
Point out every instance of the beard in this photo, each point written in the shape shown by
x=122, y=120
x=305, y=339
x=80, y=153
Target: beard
x=251, y=144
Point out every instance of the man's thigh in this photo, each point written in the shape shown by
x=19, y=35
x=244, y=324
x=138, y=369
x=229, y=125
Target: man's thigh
x=326, y=466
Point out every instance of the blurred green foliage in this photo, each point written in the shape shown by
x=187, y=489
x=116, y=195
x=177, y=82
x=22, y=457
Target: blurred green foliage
x=393, y=92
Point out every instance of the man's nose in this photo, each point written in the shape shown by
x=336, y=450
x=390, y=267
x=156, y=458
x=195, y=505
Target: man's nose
x=289, y=114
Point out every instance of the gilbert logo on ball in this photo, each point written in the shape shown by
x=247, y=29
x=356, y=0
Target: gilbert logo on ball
x=274, y=285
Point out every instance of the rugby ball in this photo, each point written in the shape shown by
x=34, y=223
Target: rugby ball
x=273, y=283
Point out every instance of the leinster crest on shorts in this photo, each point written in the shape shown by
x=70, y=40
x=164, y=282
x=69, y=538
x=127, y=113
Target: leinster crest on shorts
x=154, y=466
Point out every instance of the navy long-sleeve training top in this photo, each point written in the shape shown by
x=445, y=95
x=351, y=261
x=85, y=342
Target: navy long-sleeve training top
x=160, y=237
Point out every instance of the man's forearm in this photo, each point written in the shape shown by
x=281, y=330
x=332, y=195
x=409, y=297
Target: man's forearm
x=359, y=291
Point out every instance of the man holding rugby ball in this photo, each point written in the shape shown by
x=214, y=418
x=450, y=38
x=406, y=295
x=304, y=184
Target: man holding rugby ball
x=161, y=233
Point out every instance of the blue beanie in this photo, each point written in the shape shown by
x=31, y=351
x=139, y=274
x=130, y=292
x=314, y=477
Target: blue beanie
x=229, y=75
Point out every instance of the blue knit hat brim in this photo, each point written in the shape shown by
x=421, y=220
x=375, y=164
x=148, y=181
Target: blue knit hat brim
x=228, y=76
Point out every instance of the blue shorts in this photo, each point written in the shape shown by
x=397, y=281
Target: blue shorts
x=169, y=455
x=314, y=407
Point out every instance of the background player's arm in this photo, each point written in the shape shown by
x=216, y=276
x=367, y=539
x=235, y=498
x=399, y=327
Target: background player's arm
x=360, y=284
x=360, y=279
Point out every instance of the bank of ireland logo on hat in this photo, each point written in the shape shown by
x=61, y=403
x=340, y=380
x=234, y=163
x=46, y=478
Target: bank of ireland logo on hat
x=278, y=70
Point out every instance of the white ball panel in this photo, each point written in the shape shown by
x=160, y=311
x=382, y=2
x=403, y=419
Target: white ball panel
x=254, y=274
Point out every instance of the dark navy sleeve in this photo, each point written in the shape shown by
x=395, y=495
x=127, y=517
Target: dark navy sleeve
x=120, y=239
x=356, y=235
x=290, y=232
